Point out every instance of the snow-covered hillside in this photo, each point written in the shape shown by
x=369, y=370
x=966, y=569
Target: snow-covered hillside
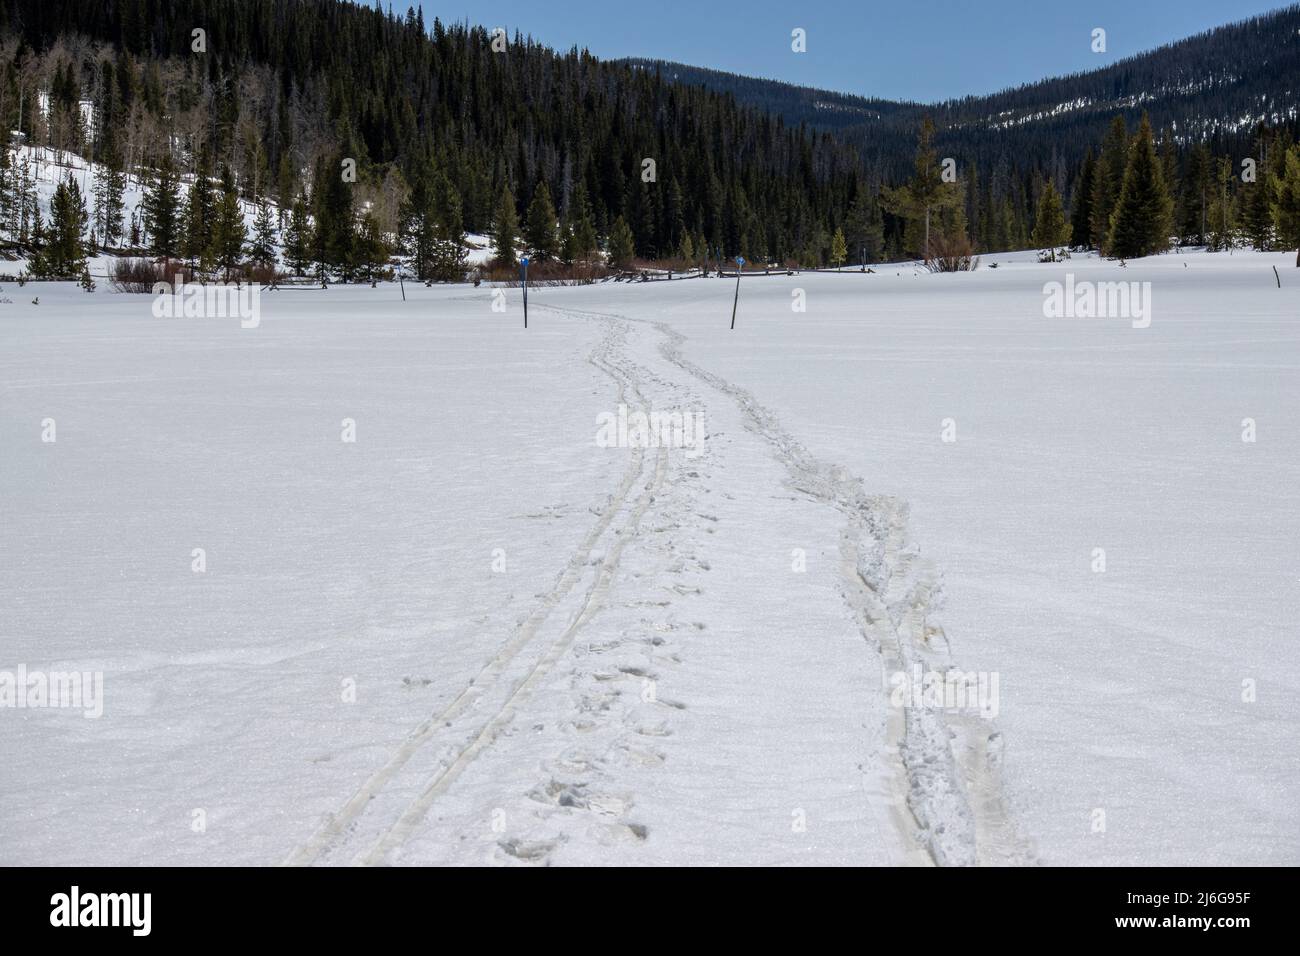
x=475, y=633
x=49, y=167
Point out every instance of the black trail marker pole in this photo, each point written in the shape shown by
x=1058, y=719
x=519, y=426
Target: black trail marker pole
x=400, y=282
x=740, y=267
x=523, y=272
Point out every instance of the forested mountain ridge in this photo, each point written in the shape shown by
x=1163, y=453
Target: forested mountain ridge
x=822, y=109
x=1215, y=87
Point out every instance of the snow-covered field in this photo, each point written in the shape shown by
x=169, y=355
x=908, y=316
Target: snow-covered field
x=475, y=634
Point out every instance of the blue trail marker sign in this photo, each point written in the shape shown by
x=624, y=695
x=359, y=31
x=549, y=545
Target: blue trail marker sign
x=740, y=267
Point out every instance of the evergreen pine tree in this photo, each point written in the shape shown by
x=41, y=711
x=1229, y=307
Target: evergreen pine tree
x=924, y=195
x=197, y=221
x=568, y=251
x=642, y=218
x=622, y=247
x=262, y=247
x=583, y=234
x=30, y=227
x=228, y=230
x=864, y=232
x=687, y=249
x=110, y=184
x=161, y=209
x=1168, y=152
x=1143, y=216
x=64, y=253
x=1195, y=198
x=418, y=227
x=298, y=240
x=372, y=251
x=1256, y=199
x=449, y=250
x=335, y=232
x=1286, y=202
x=839, y=250
x=38, y=230
x=1050, y=228
x=1222, y=214
x=26, y=203
x=1081, y=216
x=539, y=226
x=1108, y=180
x=1257, y=214
x=505, y=229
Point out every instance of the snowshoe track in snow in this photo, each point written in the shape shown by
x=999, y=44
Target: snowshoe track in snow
x=949, y=770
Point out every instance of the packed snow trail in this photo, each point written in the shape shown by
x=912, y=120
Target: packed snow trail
x=950, y=760
x=620, y=785
x=606, y=676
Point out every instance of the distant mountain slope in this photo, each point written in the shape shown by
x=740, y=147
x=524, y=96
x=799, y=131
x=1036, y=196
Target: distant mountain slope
x=824, y=109
x=1214, y=87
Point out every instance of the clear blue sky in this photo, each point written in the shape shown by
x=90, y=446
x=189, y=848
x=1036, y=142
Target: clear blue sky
x=922, y=50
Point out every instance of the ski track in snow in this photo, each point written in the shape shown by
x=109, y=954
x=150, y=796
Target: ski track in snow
x=341, y=827
x=946, y=797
